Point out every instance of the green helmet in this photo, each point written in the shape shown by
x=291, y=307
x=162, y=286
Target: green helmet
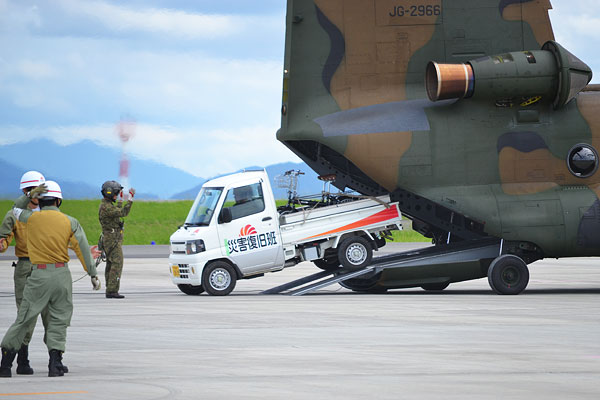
x=110, y=188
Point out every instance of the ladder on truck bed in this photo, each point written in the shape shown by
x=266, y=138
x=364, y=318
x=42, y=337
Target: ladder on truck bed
x=456, y=252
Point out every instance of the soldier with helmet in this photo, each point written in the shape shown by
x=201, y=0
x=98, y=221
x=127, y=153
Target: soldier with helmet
x=49, y=288
x=10, y=228
x=110, y=215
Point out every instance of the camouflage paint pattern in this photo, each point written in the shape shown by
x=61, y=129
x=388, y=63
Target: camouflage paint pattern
x=114, y=261
x=110, y=215
x=354, y=104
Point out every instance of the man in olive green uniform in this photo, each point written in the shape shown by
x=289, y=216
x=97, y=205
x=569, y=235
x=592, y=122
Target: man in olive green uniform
x=110, y=215
x=10, y=228
x=50, y=234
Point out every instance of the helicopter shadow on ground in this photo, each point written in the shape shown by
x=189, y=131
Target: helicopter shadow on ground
x=490, y=292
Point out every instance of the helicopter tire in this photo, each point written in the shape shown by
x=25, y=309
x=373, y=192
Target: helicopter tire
x=508, y=274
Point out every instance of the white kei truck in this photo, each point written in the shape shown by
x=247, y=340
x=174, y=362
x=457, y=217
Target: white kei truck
x=235, y=231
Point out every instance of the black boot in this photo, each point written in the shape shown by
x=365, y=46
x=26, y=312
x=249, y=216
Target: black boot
x=114, y=295
x=8, y=356
x=55, y=367
x=64, y=367
x=23, y=367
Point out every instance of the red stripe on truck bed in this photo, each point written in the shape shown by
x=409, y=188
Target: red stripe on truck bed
x=388, y=213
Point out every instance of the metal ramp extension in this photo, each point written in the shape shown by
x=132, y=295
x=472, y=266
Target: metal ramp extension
x=337, y=277
x=464, y=251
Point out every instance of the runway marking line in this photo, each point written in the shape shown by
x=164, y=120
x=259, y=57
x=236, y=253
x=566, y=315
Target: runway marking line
x=40, y=393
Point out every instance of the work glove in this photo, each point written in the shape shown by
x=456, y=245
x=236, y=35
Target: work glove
x=3, y=244
x=95, y=252
x=38, y=191
x=131, y=193
x=96, y=283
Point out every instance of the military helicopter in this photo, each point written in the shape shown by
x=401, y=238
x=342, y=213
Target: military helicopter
x=467, y=112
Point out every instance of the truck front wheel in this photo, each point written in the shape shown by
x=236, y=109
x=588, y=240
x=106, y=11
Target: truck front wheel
x=355, y=253
x=190, y=289
x=218, y=278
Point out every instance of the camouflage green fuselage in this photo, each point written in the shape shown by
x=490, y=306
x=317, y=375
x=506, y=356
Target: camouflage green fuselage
x=355, y=104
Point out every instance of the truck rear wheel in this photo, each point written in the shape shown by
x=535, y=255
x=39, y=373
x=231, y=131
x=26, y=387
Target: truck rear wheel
x=191, y=289
x=218, y=278
x=355, y=253
x=508, y=274
x=327, y=264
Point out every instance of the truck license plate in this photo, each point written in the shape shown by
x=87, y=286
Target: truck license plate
x=175, y=269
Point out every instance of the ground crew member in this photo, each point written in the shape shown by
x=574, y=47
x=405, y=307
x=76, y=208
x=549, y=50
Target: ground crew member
x=110, y=215
x=12, y=228
x=50, y=234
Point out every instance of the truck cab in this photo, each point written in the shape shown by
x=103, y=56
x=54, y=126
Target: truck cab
x=232, y=225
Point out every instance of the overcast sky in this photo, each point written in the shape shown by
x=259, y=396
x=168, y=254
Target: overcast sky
x=202, y=78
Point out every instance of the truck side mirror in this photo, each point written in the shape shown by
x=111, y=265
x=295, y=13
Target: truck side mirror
x=225, y=216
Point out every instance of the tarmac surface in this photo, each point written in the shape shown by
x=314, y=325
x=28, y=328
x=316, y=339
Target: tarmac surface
x=462, y=343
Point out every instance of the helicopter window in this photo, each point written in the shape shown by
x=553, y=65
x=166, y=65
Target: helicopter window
x=582, y=160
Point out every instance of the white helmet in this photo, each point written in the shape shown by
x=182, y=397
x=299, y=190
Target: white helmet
x=31, y=179
x=53, y=190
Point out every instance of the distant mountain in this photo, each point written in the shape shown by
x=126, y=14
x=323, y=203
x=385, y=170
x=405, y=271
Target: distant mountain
x=11, y=176
x=307, y=183
x=9, y=180
x=189, y=194
x=81, y=168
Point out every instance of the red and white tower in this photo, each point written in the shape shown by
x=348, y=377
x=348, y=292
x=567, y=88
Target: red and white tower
x=125, y=131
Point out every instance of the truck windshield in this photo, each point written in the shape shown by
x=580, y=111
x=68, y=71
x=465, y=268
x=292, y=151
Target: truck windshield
x=204, y=206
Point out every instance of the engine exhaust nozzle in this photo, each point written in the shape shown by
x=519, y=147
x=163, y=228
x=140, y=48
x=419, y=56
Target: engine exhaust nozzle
x=448, y=81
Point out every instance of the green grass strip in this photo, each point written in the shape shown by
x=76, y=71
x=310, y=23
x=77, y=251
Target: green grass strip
x=154, y=221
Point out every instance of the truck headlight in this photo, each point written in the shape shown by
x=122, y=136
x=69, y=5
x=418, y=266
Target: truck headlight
x=194, y=246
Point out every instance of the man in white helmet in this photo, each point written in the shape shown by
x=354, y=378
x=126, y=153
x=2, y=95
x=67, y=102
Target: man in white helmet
x=50, y=234
x=10, y=228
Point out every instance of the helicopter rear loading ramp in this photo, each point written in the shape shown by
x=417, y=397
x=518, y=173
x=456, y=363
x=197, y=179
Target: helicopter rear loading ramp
x=445, y=263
